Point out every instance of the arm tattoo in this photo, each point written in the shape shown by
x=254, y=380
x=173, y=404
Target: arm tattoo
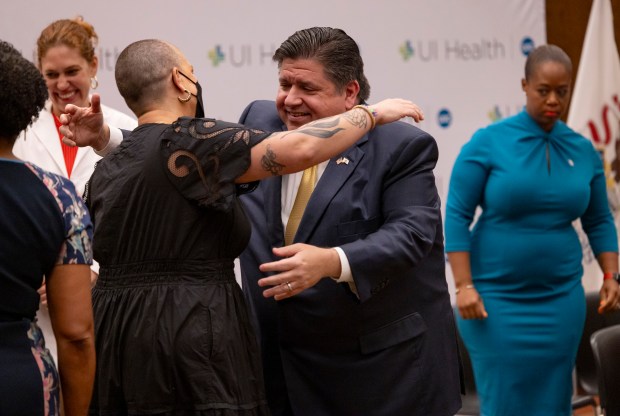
x=320, y=129
x=330, y=122
x=269, y=163
x=357, y=118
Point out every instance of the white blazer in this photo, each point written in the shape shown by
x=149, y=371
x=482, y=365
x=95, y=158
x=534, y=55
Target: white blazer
x=40, y=145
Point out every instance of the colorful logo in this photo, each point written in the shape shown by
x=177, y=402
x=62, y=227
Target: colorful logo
x=527, y=45
x=216, y=55
x=495, y=114
x=406, y=50
x=444, y=118
x=502, y=111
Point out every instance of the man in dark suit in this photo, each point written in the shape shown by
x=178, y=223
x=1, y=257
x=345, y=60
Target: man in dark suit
x=354, y=317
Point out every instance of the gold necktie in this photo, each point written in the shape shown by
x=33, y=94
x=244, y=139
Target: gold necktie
x=306, y=186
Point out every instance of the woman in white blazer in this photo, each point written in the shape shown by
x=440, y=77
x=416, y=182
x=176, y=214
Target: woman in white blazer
x=66, y=58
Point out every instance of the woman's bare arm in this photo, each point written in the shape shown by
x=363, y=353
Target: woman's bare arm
x=69, y=301
x=292, y=151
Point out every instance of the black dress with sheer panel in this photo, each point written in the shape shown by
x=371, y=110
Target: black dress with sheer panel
x=173, y=335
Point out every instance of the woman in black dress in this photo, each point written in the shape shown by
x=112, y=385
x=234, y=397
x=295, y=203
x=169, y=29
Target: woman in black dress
x=173, y=333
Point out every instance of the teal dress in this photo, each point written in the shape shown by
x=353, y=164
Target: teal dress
x=526, y=257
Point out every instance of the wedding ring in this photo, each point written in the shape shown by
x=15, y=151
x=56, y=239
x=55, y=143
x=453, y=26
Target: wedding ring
x=290, y=288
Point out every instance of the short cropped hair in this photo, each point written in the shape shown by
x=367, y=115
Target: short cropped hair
x=543, y=54
x=332, y=48
x=23, y=92
x=140, y=72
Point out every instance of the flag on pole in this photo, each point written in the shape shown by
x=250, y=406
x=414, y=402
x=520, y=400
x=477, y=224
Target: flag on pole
x=595, y=111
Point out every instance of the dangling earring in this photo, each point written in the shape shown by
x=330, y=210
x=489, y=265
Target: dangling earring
x=186, y=99
x=94, y=83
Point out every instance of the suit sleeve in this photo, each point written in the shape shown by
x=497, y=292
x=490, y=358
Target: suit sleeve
x=411, y=217
x=246, y=111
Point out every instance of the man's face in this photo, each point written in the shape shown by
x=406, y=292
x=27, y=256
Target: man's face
x=306, y=94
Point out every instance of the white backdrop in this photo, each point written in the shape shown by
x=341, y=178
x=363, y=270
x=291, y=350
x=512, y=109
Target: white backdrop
x=461, y=61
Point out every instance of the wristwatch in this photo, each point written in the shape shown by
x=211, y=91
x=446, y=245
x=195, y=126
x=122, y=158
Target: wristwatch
x=612, y=275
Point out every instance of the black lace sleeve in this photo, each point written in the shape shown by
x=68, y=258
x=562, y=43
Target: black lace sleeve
x=203, y=157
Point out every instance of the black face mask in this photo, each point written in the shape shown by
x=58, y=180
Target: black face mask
x=200, y=111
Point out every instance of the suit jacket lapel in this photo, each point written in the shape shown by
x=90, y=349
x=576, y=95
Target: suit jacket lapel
x=81, y=153
x=272, y=192
x=334, y=177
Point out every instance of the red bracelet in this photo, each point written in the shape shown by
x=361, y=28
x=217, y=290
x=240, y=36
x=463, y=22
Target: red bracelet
x=609, y=275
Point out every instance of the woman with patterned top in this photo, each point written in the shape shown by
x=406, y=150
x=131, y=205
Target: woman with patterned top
x=46, y=231
x=173, y=333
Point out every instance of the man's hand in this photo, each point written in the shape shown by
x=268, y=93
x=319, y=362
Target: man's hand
x=302, y=267
x=83, y=126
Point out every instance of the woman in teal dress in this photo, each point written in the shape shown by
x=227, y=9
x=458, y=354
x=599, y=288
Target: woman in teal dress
x=518, y=271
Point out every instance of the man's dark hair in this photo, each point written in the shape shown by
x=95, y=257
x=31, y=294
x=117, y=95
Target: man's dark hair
x=546, y=53
x=332, y=48
x=22, y=92
x=140, y=71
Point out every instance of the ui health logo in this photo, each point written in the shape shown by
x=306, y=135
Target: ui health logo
x=484, y=49
x=241, y=55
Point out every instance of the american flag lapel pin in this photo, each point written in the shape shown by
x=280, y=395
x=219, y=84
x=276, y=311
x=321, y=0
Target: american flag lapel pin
x=342, y=160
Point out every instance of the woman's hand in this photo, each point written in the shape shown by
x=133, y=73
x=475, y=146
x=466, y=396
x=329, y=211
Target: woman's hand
x=42, y=294
x=393, y=109
x=470, y=304
x=610, y=296
x=84, y=126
